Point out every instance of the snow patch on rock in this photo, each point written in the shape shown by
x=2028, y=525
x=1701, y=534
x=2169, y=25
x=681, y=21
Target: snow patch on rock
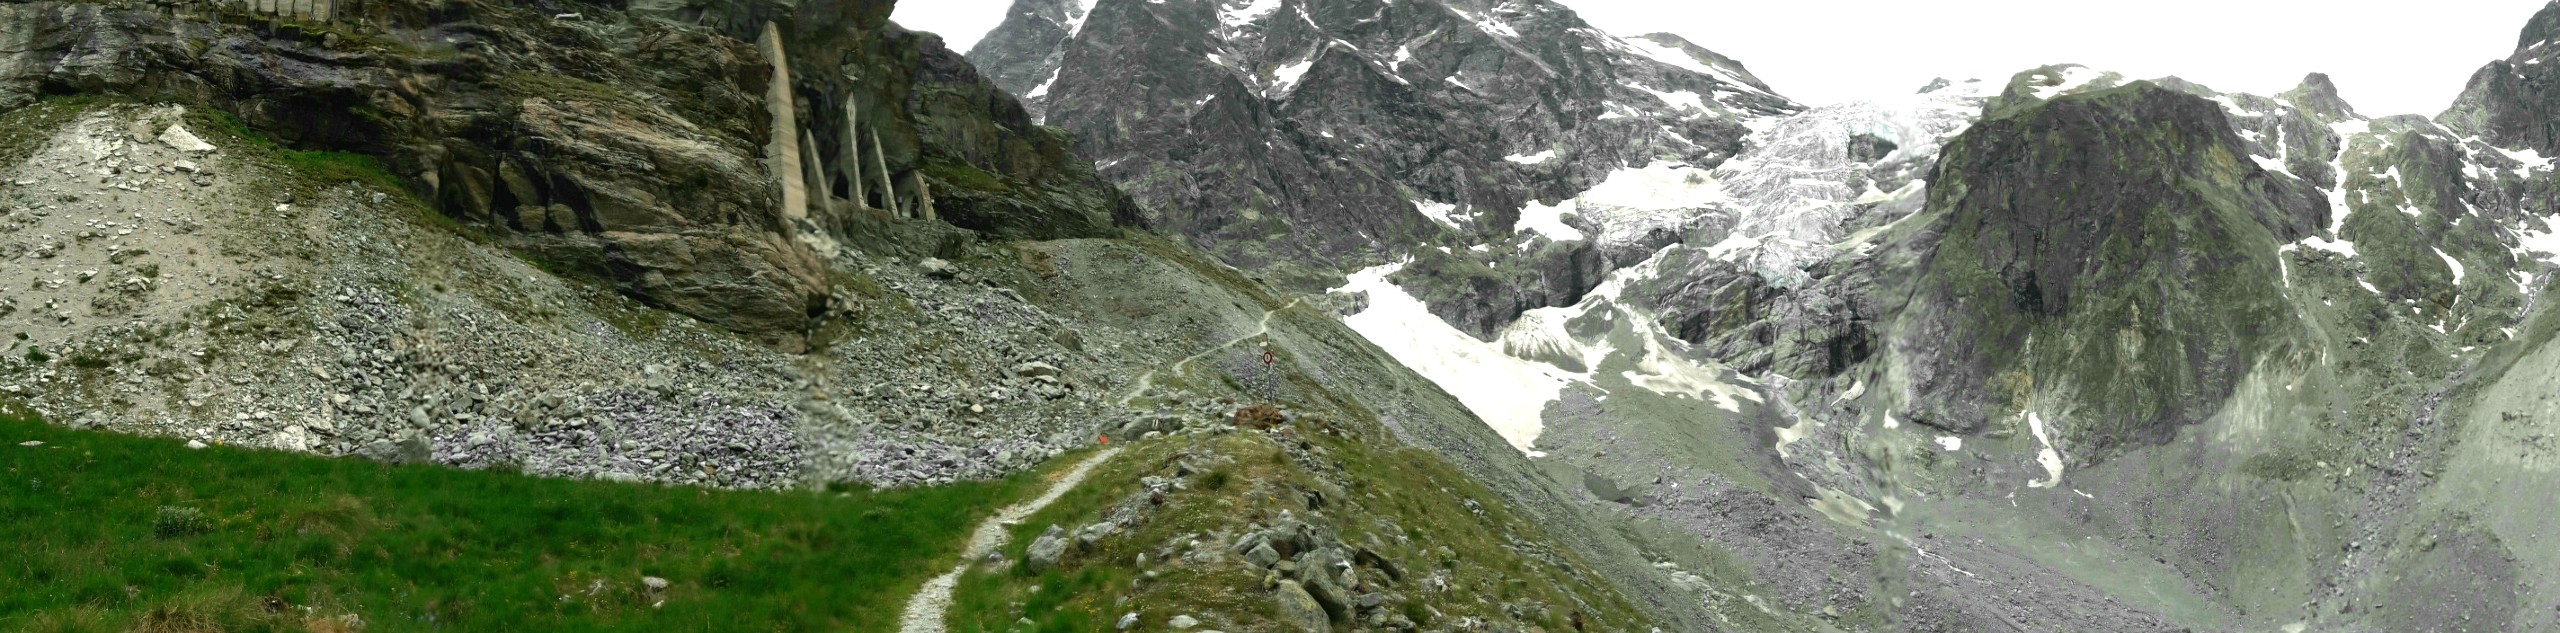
x=2073, y=78
x=1043, y=89
x=1682, y=99
x=2050, y=459
x=1548, y=220
x=1076, y=13
x=2539, y=245
x=1286, y=77
x=1532, y=159
x=1683, y=60
x=1509, y=393
x=1248, y=12
x=1631, y=203
x=1441, y=212
x=2531, y=161
x=2270, y=164
x=2455, y=264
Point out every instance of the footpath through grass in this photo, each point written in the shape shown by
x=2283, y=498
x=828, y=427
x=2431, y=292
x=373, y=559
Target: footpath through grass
x=108, y=532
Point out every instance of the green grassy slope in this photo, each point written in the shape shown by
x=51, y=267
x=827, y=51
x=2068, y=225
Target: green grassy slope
x=110, y=532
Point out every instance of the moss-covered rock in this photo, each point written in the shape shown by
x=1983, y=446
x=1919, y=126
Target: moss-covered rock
x=2515, y=102
x=2109, y=255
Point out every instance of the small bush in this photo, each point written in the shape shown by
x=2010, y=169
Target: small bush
x=1216, y=479
x=179, y=521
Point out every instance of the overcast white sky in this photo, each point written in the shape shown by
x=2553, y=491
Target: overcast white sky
x=2387, y=58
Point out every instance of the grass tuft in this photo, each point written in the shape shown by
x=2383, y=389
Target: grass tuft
x=179, y=522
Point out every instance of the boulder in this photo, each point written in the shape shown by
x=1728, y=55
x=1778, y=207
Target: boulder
x=1044, y=552
x=1299, y=611
x=1262, y=555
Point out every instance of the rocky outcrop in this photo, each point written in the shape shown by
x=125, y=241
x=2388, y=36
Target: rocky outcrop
x=2319, y=97
x=2114, y=249
x=2515, y=102
x=1025, y=60
x=702, y=156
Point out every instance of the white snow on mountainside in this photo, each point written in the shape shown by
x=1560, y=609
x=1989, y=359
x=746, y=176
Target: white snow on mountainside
x=1504, y=390
x=1791, y=190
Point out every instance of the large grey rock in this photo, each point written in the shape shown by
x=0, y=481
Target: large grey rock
x=1299, y=611
x=1320, y=584
x=1044, y=552
x=1262, y=555
x=936, y=267
x=1035, y=369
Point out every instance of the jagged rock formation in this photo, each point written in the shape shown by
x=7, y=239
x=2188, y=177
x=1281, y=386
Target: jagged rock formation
x=1021, y=54
x=1305, y=138
x=2513, y=102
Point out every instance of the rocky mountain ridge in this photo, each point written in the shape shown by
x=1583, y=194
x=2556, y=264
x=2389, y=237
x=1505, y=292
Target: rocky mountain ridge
x=2344, y=286
x=1310, y=138
x=2075, y=351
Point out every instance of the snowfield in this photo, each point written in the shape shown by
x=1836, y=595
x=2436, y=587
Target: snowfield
x=1509, y=393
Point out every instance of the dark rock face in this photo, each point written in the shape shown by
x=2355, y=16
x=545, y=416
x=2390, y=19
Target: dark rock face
x=1025, y=59
x=2117, y=242
x=632, y=144
x=1712, y=58
x=2515, y=102
x=1757, y=327
x=2319, y=97
x=1480, y=300
x=1307, y=137
x=2543, y=27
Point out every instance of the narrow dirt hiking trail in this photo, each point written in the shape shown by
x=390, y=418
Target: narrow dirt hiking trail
x=1148, y=380
x=926, y=610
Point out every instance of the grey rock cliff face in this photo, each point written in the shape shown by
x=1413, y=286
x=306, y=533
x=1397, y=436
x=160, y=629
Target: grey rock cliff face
x=661, y=165
x=2515, y=102
x=1034, y=30
x=2103, y=212
x=1310, y=137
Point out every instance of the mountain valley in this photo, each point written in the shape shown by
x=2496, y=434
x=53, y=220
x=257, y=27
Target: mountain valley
x=1243, y=315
